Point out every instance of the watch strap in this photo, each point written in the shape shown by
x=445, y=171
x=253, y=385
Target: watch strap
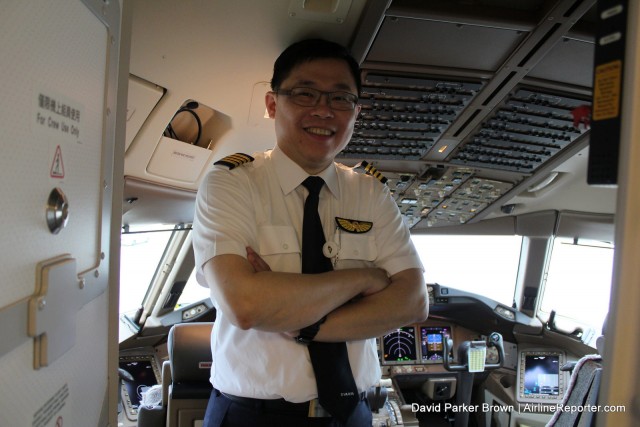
x=307, y=334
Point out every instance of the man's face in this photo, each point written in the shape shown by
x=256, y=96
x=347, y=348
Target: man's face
x=313, y=136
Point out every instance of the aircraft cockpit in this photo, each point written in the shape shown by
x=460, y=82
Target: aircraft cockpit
x=503, y=131
x=475, y=360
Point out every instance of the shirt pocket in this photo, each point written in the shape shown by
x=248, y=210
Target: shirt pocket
x=277, y=239
x=358, y=247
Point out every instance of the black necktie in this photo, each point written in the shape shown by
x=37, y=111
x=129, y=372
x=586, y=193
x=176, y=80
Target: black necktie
x=337, y=389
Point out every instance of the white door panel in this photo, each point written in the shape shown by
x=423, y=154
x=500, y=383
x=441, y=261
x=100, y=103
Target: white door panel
x=71, y=388
x=55, y=67
x=57, y=115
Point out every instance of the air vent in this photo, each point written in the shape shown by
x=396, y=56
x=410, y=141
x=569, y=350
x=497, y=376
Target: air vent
x=402, y=117
x=538, y=45
x=498, y=89
x=466, y=123
x=525, y=132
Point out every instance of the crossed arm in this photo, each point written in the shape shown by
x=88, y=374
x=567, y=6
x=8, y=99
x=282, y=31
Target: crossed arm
x=359, y=303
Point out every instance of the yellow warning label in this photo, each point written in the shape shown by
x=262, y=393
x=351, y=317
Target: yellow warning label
x=606, y=91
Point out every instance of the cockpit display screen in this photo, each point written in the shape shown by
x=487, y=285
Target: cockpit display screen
x=144, y=376
x=431, y=343
x=399, y=346
x=540, y=377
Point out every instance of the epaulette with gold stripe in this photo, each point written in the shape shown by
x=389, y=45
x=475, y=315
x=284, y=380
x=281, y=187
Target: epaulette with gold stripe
x=369, y=169
x=235, y=160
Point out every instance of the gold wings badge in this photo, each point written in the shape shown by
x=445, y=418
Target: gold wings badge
x=353, y=226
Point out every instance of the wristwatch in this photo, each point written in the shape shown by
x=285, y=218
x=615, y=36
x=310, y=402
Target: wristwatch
x=309, y=333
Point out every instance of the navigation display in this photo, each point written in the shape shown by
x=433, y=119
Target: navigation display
x=539, y=376
x=431, y=339
x=399, y=346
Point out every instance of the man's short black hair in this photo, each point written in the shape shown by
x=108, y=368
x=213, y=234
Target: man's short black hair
x=308, y=50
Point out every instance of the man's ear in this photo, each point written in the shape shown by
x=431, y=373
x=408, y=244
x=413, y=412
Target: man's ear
x=270, y=102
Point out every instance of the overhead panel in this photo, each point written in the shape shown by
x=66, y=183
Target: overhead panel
x=467, y=201
x=443, y=196
x=525, y=131
x=474, y=99
x=402, y=117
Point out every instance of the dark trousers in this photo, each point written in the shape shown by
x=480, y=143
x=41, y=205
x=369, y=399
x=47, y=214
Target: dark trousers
x=222, y=412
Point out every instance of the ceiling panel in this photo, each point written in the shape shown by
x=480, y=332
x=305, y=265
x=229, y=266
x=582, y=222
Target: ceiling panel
x=430, y=43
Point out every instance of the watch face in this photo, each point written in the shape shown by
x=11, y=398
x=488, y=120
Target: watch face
x=302, y=340
x=308, y=334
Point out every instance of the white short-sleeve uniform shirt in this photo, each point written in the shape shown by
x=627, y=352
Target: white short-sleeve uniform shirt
x=260, y=204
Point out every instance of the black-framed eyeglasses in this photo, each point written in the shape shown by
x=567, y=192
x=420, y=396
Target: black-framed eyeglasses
x=309, y=97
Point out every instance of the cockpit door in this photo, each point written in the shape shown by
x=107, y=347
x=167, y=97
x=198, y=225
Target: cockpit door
x=60, y=64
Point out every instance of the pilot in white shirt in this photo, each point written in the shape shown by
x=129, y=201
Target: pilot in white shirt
x=262, y=203
x=247, y=242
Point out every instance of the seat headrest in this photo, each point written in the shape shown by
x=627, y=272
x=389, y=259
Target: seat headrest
x=189, y=348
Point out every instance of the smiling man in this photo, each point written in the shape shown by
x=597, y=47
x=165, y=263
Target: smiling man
x=312, y=139
x=290, y=314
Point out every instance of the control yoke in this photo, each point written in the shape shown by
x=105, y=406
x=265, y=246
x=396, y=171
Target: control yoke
x=472, y=354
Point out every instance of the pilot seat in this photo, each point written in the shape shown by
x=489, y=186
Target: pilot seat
x=185, y=378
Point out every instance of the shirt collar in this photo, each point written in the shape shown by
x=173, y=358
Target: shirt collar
x=290, y=175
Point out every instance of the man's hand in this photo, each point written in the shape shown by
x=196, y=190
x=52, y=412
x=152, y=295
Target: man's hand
x=255, y=297
x=377, y=281
x=256, y=261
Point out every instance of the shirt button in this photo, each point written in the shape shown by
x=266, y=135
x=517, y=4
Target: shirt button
x=285, y=246
x=356, y=252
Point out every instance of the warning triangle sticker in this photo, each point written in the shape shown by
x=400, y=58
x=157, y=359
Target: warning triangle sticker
x=57, y=166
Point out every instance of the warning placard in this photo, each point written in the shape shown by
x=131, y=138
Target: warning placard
x=57, y=165
x=56, y=117
x=606, y=91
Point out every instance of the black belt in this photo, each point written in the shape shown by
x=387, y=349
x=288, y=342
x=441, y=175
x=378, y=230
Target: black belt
x=311, y=408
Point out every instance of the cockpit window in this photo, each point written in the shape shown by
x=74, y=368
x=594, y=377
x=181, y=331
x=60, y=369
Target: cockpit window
x=578, y=285
x=193, y=291
x=140, y=251
x=152, y=273
x=484, y=265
